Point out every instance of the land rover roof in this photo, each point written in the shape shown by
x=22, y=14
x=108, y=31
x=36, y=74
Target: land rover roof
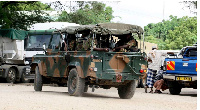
x=105, y=29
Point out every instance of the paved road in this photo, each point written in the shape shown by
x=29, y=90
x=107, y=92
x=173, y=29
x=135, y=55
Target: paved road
x=23, y=97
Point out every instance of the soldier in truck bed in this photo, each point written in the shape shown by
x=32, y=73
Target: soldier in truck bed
x=71, y=42
x=86, y=43
x=129, y=44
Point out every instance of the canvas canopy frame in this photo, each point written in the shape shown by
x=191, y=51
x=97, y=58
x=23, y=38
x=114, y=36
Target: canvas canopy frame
x=105, y=29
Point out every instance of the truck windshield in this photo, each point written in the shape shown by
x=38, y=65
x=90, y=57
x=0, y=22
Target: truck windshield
x=35, y=42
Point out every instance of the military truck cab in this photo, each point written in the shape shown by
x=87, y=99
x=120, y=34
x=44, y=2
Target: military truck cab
x=102, y=55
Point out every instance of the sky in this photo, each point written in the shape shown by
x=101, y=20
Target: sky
x=143, y=12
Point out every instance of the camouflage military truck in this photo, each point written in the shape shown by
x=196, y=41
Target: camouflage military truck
x=88, y=55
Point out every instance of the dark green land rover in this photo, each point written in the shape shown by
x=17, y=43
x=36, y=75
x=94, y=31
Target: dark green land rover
x=103, y=55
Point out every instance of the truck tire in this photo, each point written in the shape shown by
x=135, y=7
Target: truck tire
x=75, y=84
x=23, y=79
x=127, y=91
x=175, y=90
x=11, y=76
x=174, y=87
x=38, y=80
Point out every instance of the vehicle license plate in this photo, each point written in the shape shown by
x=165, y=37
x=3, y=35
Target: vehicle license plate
x=183, y=78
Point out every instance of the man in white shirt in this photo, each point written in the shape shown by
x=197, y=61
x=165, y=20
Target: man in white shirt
x=155, y=60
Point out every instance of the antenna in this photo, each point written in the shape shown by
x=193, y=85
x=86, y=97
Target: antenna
x=70, y=6
x=163, y=10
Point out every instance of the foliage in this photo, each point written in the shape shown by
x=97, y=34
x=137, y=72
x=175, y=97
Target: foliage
x=174, y=33
x=88, y=13
x=192, y=5
x=22, y=14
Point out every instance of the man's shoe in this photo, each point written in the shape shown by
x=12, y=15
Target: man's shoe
x=151, y=91
x=158, y=91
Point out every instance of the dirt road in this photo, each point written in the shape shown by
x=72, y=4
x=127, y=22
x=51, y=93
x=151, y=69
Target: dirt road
x=23, y=97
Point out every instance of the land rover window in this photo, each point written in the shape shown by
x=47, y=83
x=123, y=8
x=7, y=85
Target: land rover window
x=54, y=44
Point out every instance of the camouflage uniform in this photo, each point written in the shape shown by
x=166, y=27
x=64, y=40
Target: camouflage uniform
x=88, y=44
x=71, y=45
x=131, y=43
x=79, y=46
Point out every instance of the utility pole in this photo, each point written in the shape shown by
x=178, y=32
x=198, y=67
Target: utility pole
x=163, y=32
x=163, y=10
x=70, y=6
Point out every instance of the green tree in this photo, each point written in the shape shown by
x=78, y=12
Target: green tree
x=88, y=13
x=22, y=14
x=183, y=35
x=192, y=5
x=174, y=33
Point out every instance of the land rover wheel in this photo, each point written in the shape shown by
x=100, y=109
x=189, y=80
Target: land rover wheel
x=38, y=80
x=11, y=76
x=127, y=91
x=76, y=84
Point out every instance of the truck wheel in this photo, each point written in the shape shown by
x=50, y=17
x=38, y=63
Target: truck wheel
x=76, y=84
x=175, y=90
x=23, y=79
x=38, y=80
x=11, y=76
x=174, y=87
x=127, y=91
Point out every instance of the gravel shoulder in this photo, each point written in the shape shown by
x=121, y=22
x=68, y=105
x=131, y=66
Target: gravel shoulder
x=23, y=97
